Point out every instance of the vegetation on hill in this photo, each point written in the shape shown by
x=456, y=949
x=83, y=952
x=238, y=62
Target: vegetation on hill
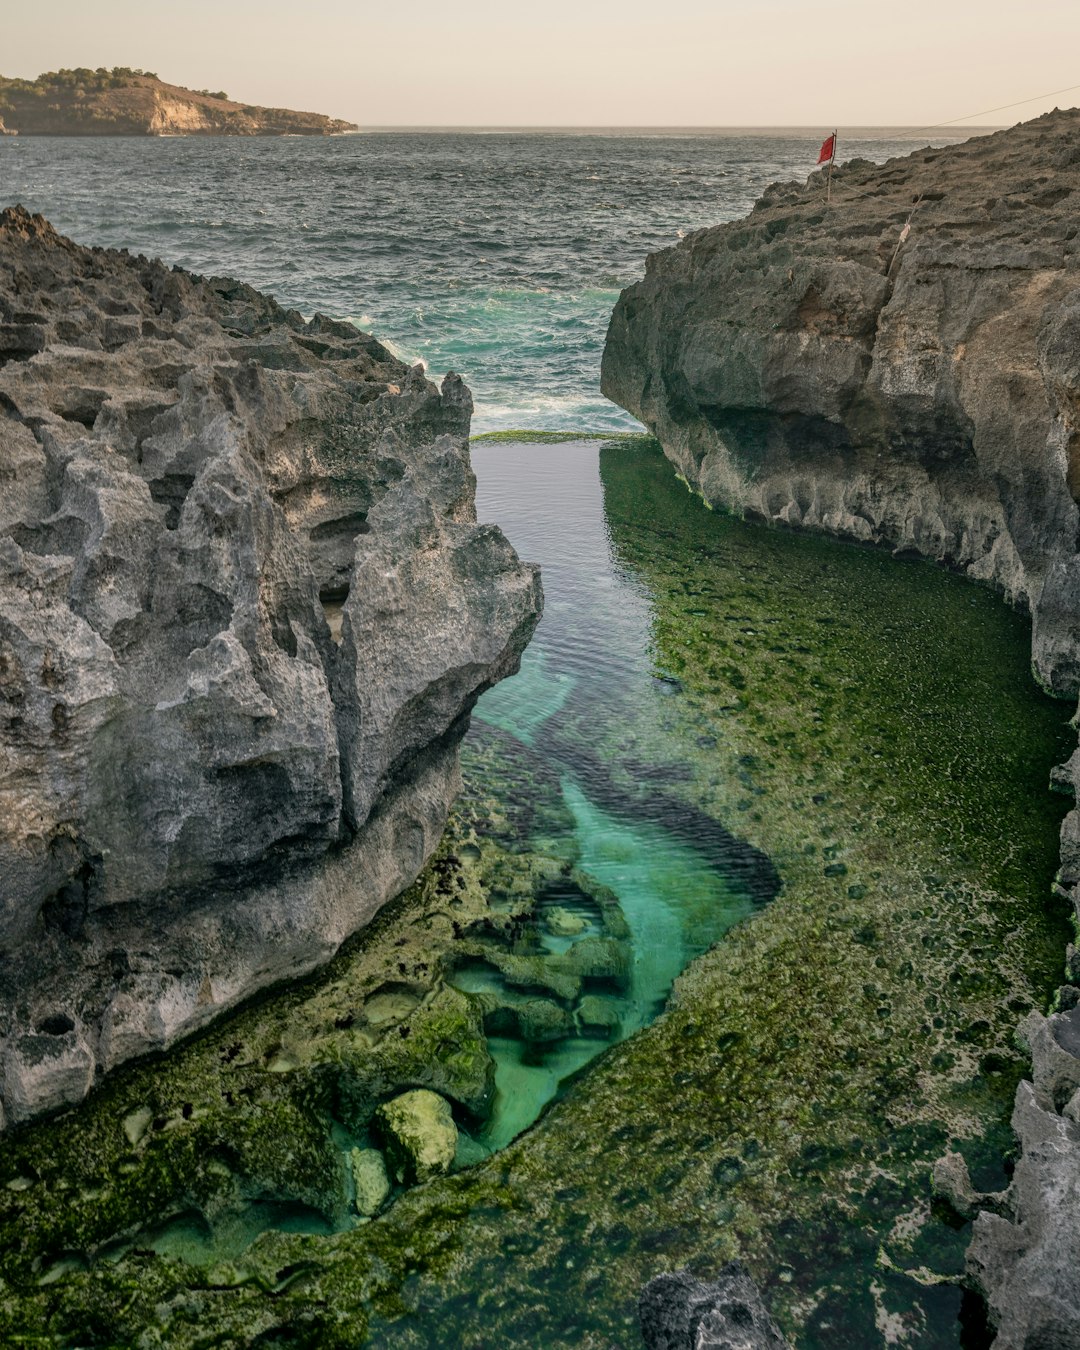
x=130, y=101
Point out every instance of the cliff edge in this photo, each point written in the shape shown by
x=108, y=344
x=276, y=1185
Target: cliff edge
x=245, y=611
x=901, y=367
x=124, y=102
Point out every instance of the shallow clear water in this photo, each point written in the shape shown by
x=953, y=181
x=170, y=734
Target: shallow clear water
x=590, y=660
x=701, y=697
x=498, y=256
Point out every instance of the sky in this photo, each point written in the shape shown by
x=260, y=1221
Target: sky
x=842, y=63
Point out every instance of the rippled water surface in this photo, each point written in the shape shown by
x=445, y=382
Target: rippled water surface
x=714, y=723
x=499, y=256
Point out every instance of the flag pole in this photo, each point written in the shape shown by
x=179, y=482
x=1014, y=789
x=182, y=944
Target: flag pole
x=832, y=161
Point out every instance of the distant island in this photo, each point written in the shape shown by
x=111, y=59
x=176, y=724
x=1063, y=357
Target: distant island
x=125, y=102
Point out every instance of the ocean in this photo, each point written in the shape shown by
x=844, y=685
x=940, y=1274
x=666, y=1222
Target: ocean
x=495, y=254
x=801, y=782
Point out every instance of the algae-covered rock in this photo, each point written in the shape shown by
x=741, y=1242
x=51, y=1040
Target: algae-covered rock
x=370, y=1181
x=443, y=1048
x=539, y=1019
x=601, y=958
x=563, y=923
x=598, y=1015
x=421, y=1137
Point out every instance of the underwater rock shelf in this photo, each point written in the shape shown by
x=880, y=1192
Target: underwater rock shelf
x=899, y=367
x=808, y=703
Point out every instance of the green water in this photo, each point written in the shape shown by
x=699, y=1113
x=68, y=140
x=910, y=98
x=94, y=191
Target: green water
x=832, y=761
x=675, y=906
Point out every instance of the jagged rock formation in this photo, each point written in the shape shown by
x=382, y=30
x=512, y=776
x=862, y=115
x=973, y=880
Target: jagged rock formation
x=902, y=367
x=245, y=611
x=678, y=1312
x=123, y=102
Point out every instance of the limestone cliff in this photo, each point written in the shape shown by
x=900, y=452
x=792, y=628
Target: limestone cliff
x=123, y=102
x=902, y=367
x=245, y=610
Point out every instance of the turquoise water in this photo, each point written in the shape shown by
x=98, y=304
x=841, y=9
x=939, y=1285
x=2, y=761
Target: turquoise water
x=498, y=256
x=591, y=663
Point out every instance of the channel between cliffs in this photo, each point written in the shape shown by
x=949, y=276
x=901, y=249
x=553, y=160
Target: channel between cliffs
x=901, y=367
x=245, y=612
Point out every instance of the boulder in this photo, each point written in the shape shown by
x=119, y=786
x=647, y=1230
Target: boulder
x=420, y=1134
x=371, y=1184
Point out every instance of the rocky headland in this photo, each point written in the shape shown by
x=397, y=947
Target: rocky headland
x=124, y=102
x=901, y=367
x=245, y=611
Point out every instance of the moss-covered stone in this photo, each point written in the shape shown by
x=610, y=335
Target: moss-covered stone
x=371, y=1185
x=420, y=1135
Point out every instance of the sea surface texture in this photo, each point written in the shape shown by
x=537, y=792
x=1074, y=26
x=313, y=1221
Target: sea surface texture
x=496, y=255
x=803, y=783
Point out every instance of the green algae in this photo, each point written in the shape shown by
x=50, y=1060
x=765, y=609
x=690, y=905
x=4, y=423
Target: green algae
x=867, y=723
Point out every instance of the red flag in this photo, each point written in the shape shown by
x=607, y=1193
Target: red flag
x=828, y=146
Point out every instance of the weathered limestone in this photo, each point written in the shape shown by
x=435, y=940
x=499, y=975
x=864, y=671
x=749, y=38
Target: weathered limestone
x=899, y=368
x=678, y=1312
x=421, y=1137
x=903, y=368
x=245, y=611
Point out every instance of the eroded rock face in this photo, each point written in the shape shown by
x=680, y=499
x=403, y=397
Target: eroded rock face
x=900, y=367
x=245, y=610
x=903, y=368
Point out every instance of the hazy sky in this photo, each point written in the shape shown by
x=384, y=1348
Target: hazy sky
x=581, y=62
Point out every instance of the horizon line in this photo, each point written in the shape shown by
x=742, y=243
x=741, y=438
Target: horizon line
x=913, y=128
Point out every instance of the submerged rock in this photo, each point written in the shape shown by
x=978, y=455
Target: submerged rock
x=563, y=923
x=678, y=1312
x=421, y=1137
x=371, y=1184
x=245, y=611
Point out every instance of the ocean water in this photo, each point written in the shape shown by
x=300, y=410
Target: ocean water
x=499, y=256
x=715, y=722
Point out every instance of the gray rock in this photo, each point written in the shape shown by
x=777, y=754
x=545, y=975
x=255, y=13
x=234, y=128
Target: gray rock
x=1025, y=1248
x=810, y=366
x=903, y=368
x=245, y=611
x=678, y=1312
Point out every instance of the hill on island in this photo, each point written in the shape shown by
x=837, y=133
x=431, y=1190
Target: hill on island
x=125, y=102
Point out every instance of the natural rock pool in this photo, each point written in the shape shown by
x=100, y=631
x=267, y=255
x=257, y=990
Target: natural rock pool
x=832, y=760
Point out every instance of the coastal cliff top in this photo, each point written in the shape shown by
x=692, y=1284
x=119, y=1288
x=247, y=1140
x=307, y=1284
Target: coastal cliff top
x=1011, y=182
x=125, y=102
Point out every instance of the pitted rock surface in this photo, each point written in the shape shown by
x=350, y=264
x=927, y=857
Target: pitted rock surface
x=900, y=367
x=245, y=611
x=679, y=1312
